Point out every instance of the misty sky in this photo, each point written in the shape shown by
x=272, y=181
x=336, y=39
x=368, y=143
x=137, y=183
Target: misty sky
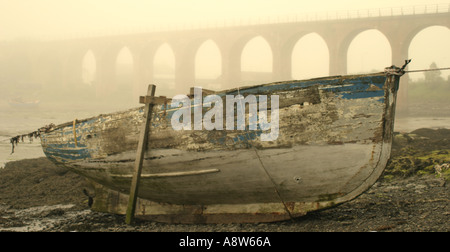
x=56, y=19
x=72, y=18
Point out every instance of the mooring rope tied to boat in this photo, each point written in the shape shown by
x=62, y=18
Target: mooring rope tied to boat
x=427, y=70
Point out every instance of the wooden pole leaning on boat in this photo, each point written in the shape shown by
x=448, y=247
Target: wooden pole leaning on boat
x=149, y=102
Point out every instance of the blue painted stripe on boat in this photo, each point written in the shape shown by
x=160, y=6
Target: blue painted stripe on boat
x=68, y=148
x=354, y=88
x=67, y=154
x=357, y=88
x=359, y=95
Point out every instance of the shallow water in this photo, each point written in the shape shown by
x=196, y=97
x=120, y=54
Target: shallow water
x=409, y=124
x=14, y=121
x=24, y=150
x=18, y=121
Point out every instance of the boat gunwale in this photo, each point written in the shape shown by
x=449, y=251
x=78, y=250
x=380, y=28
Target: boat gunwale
x=238, y=89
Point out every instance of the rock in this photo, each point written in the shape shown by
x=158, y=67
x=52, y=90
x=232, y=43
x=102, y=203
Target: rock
x=443, y=170
x=53, y=212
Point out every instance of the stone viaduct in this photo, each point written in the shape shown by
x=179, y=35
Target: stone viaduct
x=59, y=62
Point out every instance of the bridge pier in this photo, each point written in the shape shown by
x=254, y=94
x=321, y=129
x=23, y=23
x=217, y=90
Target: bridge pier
x=105, y=77
x=282, y=65
x=399, y=55
x=231, y=65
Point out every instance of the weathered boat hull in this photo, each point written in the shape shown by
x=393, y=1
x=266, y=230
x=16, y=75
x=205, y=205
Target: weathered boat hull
x=334, y=142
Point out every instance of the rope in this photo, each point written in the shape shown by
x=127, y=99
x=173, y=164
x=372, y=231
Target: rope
x=427, y=70
x=400, y=71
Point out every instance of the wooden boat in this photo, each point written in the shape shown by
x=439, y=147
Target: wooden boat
x=334, y=141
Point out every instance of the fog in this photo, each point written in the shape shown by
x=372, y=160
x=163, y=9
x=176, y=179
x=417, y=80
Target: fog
x=46, y=19
x=54, y=20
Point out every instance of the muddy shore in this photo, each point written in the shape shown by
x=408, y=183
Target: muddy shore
x=412, y=195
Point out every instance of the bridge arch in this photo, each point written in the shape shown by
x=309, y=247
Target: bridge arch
x=256, y=61
x=368, y=51
x=309, y=56
x=208, y=65
x=124, y=74
x=436, y=38
x=163, y=67
x=88, y=67
x=187, y=62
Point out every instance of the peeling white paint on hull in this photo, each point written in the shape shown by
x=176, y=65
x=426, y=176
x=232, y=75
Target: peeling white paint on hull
x=245, y=176
x=240, y=186
x=334, y=141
